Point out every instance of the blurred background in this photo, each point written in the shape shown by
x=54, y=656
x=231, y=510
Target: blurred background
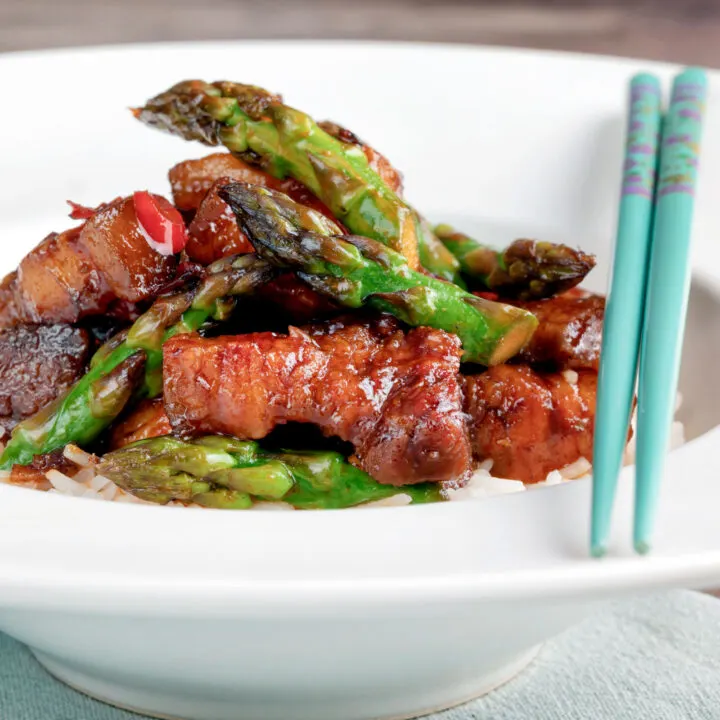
x=685, y=31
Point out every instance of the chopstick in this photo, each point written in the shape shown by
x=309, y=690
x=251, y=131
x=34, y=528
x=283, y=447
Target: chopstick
x=647, y=301
x=625, y=304
x=667, y=293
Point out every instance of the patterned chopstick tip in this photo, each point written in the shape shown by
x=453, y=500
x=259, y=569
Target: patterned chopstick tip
x=643, y=137
x=681, y=138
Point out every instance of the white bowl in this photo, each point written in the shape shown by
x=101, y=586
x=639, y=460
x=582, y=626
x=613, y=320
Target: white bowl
x=363, y=613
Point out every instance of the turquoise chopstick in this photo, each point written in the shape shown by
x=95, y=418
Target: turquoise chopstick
x=625, y=303
x=668, y=285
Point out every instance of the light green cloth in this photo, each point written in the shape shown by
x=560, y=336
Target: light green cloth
x=653, y=659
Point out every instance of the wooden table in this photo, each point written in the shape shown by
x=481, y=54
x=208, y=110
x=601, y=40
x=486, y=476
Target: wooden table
x=684, y=32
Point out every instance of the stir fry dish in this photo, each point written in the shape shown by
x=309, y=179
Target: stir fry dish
x=288, y=330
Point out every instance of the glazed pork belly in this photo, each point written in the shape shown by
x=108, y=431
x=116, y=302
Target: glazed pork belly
x=213, y=232
x=192, y=179
x=146, y=420
x=102, y=267
x=394, y=395
x=37, y=364
x=528, y=422
x=569, y=334
x=537, y=414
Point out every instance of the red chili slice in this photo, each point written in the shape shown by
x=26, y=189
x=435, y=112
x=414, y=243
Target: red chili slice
x=83, y=212
x=160, y=223
x=80, y=212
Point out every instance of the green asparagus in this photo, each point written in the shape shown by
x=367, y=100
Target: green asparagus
x=355, y=270
x=432, y=254
x=259, y=128
x=130, y=364
x=526, y=270
x=223, y=472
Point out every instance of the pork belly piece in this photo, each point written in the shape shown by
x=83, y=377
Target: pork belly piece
x=147, y=420
x=569, y=334
x=57, y=283
x=37, y=364
x=214, y=232
x=297, y=300
x=117, y=247
x=192, y=179
x=395, y=395
x=101, y=267
x=530, y=423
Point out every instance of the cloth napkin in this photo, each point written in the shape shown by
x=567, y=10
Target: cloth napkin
x=652, y=659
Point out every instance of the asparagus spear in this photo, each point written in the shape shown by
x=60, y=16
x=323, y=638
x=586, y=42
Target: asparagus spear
x=526, y=270
x=355, y=270
x=432, y=254
x=259, y=128
x=224, y=472
x=131, y=362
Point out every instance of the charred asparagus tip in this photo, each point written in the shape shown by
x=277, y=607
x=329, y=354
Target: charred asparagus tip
x=526, y=269
x=355, y=270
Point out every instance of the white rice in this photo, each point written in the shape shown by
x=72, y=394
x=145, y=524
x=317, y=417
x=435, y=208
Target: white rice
x=86, y=483
x=75, y=455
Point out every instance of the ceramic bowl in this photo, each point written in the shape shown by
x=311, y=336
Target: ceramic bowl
x=363, y=613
